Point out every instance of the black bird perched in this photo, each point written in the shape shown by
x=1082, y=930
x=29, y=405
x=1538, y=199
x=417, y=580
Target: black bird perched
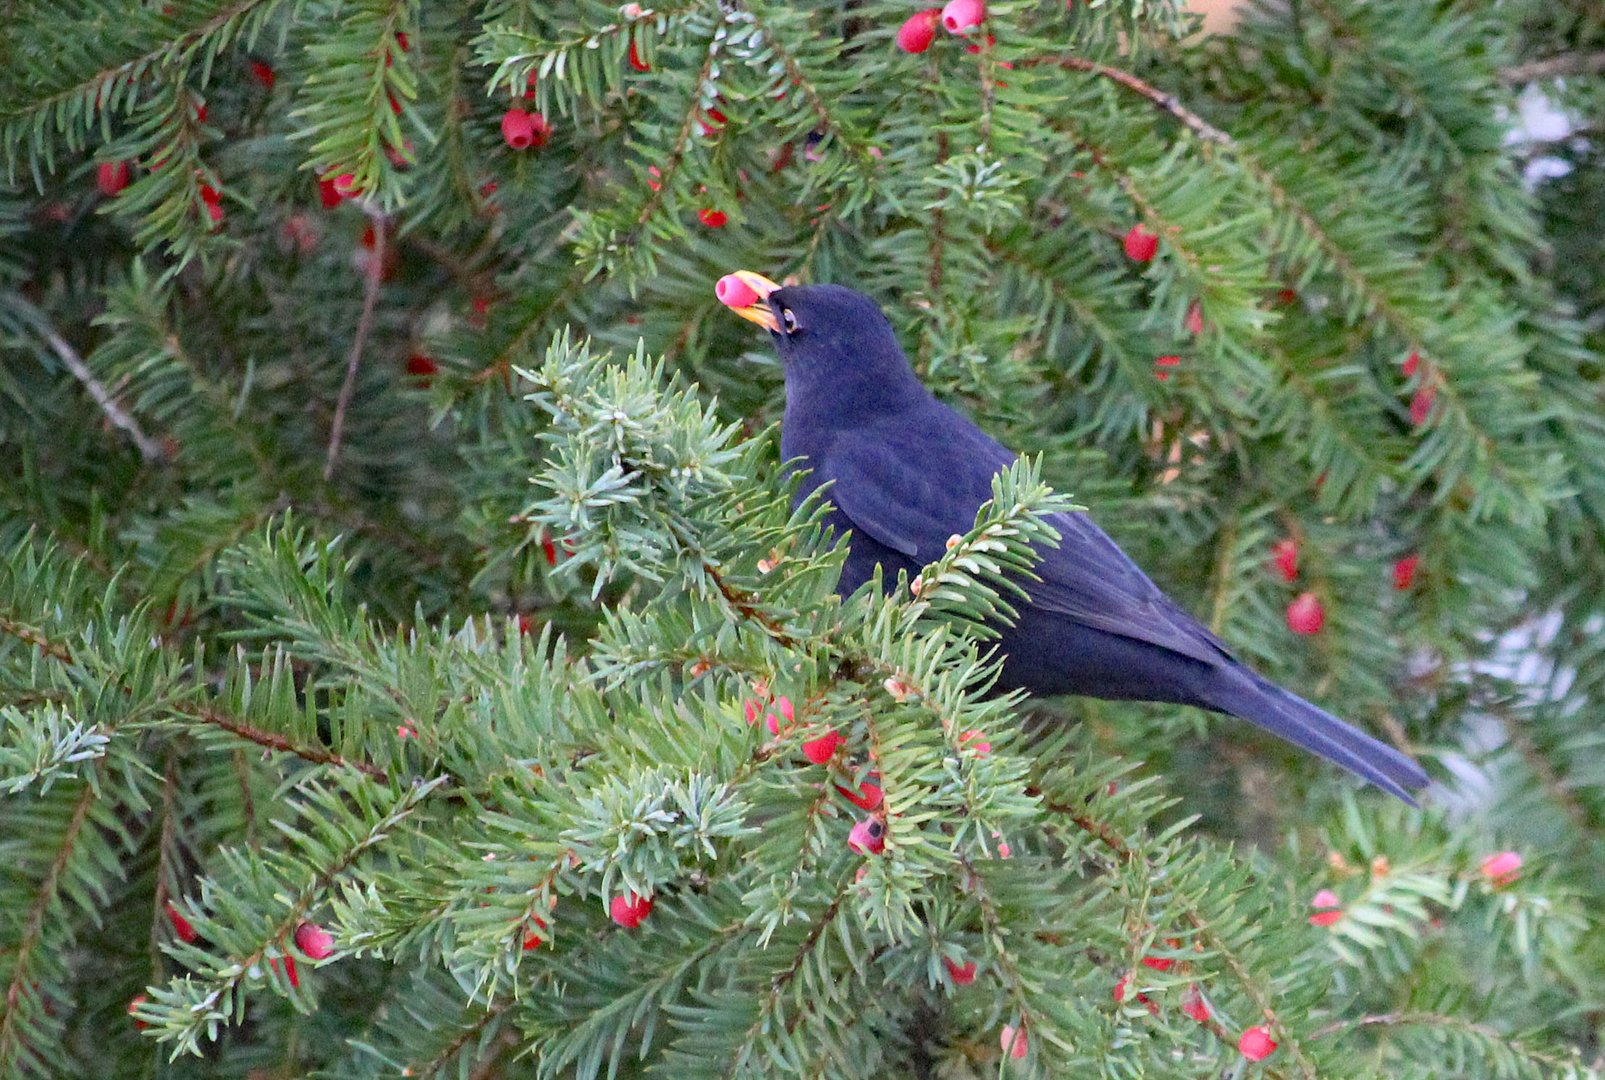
x=906, y=472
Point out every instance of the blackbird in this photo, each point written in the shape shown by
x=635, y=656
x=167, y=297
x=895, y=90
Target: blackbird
x=905, y=472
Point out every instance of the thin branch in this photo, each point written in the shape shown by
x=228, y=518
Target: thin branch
x=274, y=741
x=149, y=448
x=1553, y=67
x=370, y=296
x=36, y=639
x=1162, y=101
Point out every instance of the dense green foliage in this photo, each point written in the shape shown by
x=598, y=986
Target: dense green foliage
x=415, y=563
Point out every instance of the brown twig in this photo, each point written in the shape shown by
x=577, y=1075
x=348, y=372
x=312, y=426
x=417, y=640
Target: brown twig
x=1553, y=67
x=370, y=297
x=149, y=448
x=36, y=639
x=1161, y=100
x=274, y=741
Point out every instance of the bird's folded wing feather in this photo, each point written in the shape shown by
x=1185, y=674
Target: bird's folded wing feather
x=912, y=489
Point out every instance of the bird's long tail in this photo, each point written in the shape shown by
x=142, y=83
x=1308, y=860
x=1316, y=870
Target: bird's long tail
x=1288, y=716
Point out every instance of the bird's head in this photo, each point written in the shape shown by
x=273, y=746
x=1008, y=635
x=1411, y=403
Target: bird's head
x=824, y=333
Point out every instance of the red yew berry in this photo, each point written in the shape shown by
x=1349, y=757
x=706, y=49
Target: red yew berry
x=1404, y=572
x=1013, y=1042
x=1284, y=556
x=636, y=60
x=1163, y=963
x=1256, y=1044
x=548, y=548
x=962, y=16
x=111, y=177
x=1193, y=1004
x=629, y=911
x=1284, y=297
x=345, y=185
x=263, y=74
x=975, y=742
x=713, y=219
x=532, y=940
x=824, y=748
x=215, y=212
x=518, y=130
x=867, y=797
x=868, y=837
x=1194, y=319
x=134, y=1005
x=1501, y=869
x=328, y=193
x=1141, y=245
x=181, y=926
x=405, y=732
x=733, y=292
x=752, y=708
x=1163, y=362
x=421, y=366
x=211, y=195
x=1421, y=404
x=403, y=41
x=917, y=33
x=313, y=940
x=1327, y=908
x=712, y=120
x=1411, y=362
x=1305, y=615
x=961, y=974
x=290, y=972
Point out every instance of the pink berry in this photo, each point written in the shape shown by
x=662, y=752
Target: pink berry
x=181, y=926
x=961, y=974
x=1327, y=908
x=1284, y=554
x=345, y=185
x=629, y=911
x=1141, y=245
x=1194, y=321
x=1193, y=1004
x=962, y=16
x=868, y=837
x=975, y=742
x=1013, y=1042
x=734, y=292
x=917, y=33
x=1404, y=572
x=1305, y=615
x=1411, y=362
x=713, y=219
x=313, y=940
x=1163, y=362
x=134, y=1004
x=636, y=60
x=1256, y=1044
x=822, y=749
x=1421, y=404
x=1501, y=869
x=111, y=177
x=518, y=130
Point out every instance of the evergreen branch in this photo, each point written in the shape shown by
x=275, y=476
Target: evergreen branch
x=448, y=1053
x=1404, y=1018
x=1161, y=100
x=1553, y=67
x=274, y=741
x=1110, y=838
x=370, y=297
x=1551, y=781
x=33, y=928
x=149, y=448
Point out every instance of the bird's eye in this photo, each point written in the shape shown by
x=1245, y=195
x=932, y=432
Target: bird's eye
x=789, y=319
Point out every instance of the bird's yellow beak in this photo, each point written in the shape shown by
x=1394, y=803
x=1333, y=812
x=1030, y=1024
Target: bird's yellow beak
x=745, y=293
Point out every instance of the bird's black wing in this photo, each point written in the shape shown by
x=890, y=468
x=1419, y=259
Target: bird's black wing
x=912, y=486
